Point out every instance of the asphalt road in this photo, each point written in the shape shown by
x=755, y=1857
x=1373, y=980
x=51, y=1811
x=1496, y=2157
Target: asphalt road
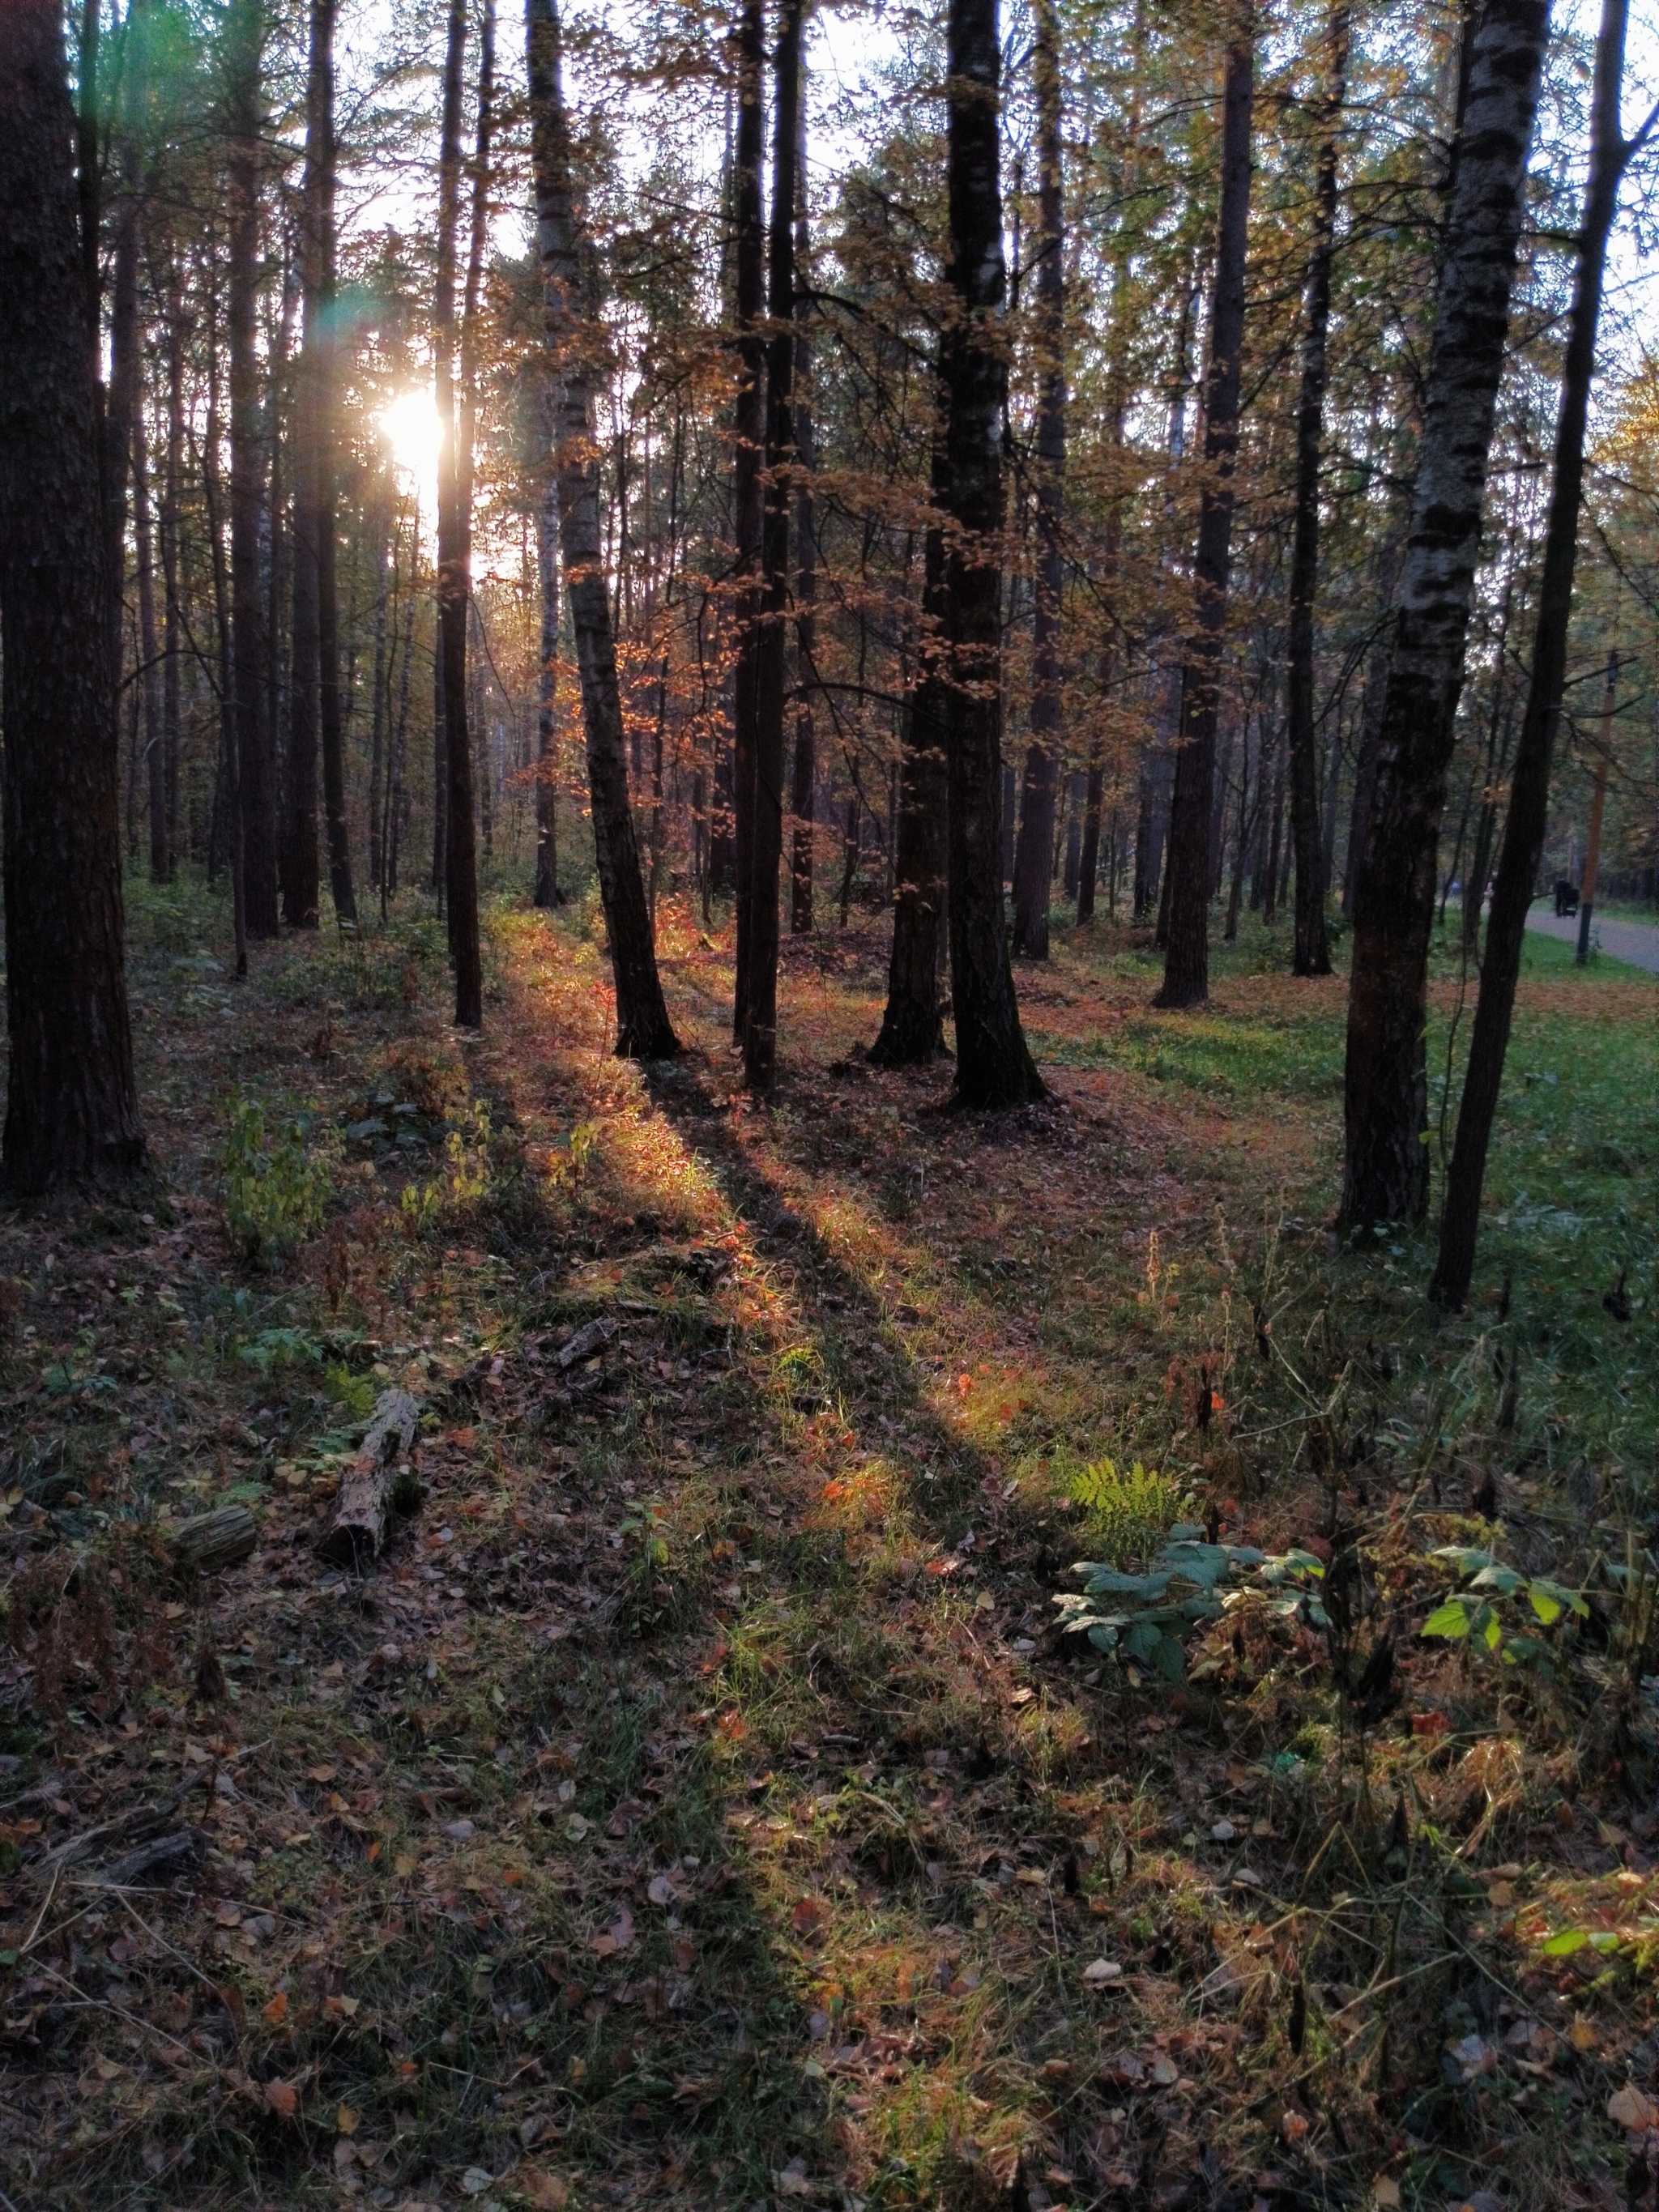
x=1638, y=942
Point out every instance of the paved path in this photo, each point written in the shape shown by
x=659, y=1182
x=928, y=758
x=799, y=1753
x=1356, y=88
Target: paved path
x=1638, y=942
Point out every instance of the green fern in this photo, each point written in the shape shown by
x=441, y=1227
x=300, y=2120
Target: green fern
x=1131, y=1511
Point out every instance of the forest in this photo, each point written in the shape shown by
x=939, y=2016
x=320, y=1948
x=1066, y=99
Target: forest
x=828, y=1198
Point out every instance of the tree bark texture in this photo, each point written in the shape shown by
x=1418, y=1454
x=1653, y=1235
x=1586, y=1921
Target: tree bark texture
x=155, y=757
x=326, y=397
x=460, y=848
x=301, y=885
x=1311, y=955
x=1034, y=850
x=993, y=1066
x=803, y=787
x=760, y=1048
x=547, y=892
x=1187, y=956
x=1386, y=1163
x=1530, y=783
x=912, y=1028
x=72, y=1106
x=749, y=439
x=643, y=1028
x=244, y=37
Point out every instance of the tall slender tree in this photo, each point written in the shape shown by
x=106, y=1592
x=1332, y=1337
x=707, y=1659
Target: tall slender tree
x=912, y=1027
x=245, y=36
x=461, y=860
x=643, y=1028
x=1386, y=1156
x=547, y=892
x=804, y=782
x=993, y=1066
x=1187, y=959
x=1312, y=954
x=772, y=643
x=1034, y=852
x=72, y=1106
x=313, y=508
x=1530, y=783
x=748, y=451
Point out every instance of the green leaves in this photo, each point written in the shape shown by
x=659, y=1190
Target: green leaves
x=1474, y=1615
x=1183, y=1588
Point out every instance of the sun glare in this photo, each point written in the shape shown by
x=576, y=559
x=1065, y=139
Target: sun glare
x=411, y=428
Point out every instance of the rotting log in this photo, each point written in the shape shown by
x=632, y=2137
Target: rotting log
x=209, y=1541
x=358, y=1529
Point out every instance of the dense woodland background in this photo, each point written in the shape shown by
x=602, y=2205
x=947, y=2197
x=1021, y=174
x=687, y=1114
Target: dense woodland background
x=654, y=102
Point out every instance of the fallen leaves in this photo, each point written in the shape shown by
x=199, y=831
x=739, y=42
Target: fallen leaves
x=618, y=1937
x=1633, y=2110
x=282, y=2099
x=1099, y=1972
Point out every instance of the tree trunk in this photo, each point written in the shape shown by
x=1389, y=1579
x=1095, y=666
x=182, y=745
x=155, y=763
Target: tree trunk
x=1034, y=852
x=994, y=1067
x=748, y=435
x=804, y=789
x=1187, y=961
x=760, y=1049
x=912, y=1030
x=155, y=757
x=643, y=1030
x=379, y=696
x=245, y=34
x=326, y=397
x=1386, y=1164
x=301, y=891
x=460, y=851
x=1523, y=832
x=173, y=607
x=1311, y=955
x=547, y=891
x=72, y=1108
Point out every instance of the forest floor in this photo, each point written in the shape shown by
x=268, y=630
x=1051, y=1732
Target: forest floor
x=697, y=1799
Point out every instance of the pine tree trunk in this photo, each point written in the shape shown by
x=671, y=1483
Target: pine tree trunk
x=155, y=758
x=319, y=115
x=912, y=1028
x=803, y=788
x=1386, y=1164
x=1312, y=955
x=1034, y=850
x=379, y=696
x=173, y=608
x=547, y=892
x=301, y=887
x=994, y=1067
x=1187, y=961
x=460, y=850
x=772, y=645
x=1530, y=783
x=748, y=437
x=643, y=1030
x=245, y=34
x=72, y=1108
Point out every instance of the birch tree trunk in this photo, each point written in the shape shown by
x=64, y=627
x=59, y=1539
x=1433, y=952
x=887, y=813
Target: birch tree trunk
x=1530, y=783
x=1386, y=1163
x=1187, y=959
x=1312, y=955
x=643, y=1028
x=993, y=1066
x=1034, y=852
x=72, y=1106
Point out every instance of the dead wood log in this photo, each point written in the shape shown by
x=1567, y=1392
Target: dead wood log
x=208, y=1542
x=358, y=1529
x=163, y=1858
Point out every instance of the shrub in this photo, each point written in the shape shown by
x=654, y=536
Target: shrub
x=275, y=1194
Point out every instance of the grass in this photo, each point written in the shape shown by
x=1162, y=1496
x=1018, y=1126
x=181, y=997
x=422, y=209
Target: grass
x=695, y=1801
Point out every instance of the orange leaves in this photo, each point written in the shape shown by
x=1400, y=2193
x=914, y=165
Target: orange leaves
x=276, y=2011
x=282, y=2099
x=810, y=1917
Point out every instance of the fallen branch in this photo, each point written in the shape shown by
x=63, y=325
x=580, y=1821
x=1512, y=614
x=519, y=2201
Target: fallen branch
x=358, y=1530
